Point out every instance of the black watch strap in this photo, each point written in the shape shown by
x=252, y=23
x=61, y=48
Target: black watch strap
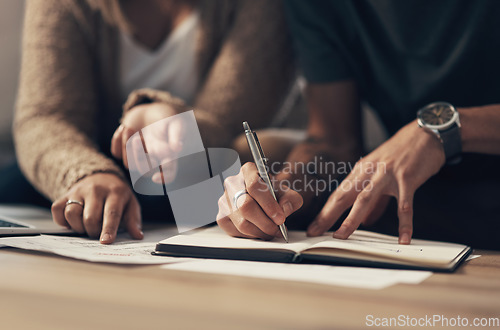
x=452, y=144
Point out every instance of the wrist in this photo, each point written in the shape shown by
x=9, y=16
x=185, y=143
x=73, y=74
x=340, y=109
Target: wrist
x=443, y=120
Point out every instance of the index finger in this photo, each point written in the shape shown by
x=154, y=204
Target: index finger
x=113, y=210
x=260, y=192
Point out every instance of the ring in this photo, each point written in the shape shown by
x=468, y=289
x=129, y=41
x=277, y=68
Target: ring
x=238, y=195
x=71, y=201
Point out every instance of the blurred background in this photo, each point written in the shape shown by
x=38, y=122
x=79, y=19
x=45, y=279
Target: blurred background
x=11, y=14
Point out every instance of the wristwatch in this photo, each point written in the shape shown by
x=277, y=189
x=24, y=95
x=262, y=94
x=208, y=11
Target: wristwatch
x=442, y=119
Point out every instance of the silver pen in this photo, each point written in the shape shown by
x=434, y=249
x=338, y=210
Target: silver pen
x=261, y=163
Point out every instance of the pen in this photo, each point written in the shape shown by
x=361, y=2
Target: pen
x=261, y=163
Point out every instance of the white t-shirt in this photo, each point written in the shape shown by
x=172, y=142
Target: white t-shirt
x=171, y=67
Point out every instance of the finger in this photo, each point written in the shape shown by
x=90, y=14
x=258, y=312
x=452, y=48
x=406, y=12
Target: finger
x=57, y=210
x=137, y=156
x=289, y=200
x=169, y=169
x=116, y=142
x=227, y=225
x=254, y=218
x=92, y=215
x=133, y=220
x=176, y=135
x=156, y=178
x=126, y=134
x=405, y=213
x=339, y=201
x=228, y=212
x=248, y=229
x=361, y=209
x=232, y=185
x=380, y=207
x=113, y=211
x=260, y=192
x=225, y=207
x=73, y=215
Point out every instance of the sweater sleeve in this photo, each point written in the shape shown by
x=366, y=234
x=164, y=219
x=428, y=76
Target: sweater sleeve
x=248, y=78
x=56, y=108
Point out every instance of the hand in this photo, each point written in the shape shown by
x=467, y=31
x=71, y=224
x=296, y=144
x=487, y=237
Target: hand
x=397, y=168
x=257, y=214
x=107, y=201
x=164, y=141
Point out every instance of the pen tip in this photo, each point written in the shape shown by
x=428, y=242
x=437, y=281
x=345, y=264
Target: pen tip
x=246, y=127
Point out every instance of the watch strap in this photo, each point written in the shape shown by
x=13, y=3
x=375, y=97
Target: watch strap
x=452, y=143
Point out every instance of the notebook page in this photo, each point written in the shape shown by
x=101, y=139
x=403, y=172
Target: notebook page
x=387, y=246
x=216, y=238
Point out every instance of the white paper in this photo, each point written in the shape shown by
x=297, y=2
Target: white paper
x=473, y=256
x=355, y=277
x=123, y=251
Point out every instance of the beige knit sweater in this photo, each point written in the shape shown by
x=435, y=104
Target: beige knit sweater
x=68, y=105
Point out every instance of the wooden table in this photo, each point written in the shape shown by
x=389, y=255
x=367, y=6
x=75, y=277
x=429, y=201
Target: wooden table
x=40, y=291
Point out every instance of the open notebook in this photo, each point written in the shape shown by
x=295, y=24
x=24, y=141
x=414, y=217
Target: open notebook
x=363, y=248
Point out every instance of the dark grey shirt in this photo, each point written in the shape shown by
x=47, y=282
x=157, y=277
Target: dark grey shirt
x=403, y=54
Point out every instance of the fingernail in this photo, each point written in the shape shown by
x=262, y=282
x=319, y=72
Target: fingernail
x=156, y=177
x=338, y=234
x=288, y=209
x=404, y=239
x=105, y=238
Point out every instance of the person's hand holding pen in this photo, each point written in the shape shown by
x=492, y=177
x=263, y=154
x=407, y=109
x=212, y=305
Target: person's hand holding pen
x=254, y=214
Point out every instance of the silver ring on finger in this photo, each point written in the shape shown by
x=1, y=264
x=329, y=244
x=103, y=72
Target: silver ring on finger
x=72, y=201
x=238, y=194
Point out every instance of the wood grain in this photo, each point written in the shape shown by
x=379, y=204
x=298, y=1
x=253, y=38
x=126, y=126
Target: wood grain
x=47, y=292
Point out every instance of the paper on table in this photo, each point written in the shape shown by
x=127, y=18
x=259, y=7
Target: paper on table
x=473, y=256
x=357, y=277
x=123, y=251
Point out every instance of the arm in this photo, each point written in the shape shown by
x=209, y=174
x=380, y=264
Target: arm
x=251, y=75
x=56, y=104
x=397, y=170
x=55, y=122
x=480, y=129
x=334, y=136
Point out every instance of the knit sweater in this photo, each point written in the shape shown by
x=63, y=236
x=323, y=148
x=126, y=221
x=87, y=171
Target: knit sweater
x=68, y=102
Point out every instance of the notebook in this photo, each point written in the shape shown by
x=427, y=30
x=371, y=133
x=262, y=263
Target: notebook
x=362, y=248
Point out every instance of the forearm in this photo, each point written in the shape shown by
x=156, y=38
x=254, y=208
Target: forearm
x=335, y=118
x=251, y=74
x=54, y=155
x=334, y=129
x=480, y=129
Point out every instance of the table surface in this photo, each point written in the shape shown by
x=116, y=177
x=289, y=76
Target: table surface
x=40, y=291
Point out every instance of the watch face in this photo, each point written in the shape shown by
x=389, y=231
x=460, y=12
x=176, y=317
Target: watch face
x=437, y=115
